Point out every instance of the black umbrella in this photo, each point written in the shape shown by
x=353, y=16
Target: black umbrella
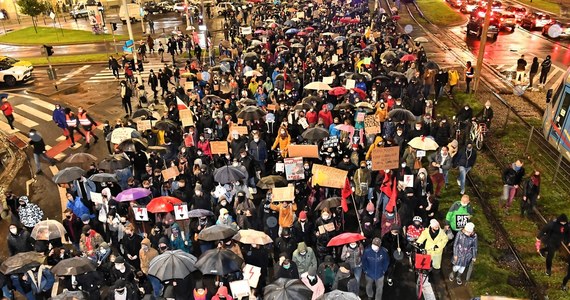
x=104, y=177
x=247, y=102
x=315, y=133
x=73, y=266
x=114, y=163
x=132, y=145
x=329, y=203
x=170, y=265
x=212, y=98
x=68, y=175
x=344, y=105
x=216, y=233
x=432, y=65
x=219, y=262
x=198, y=213
x=337, y=294
x=67, y=295
x=22, y=262
x=381, y=77
x=251, y=113
x=79, y=158
x=400, y=114
x=272, y=181
x=302, y=106
x=165, y=125
x=287, y=289
x=311, y=99
x=228, y=174
x=143, y=112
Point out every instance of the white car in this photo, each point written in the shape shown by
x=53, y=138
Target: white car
x=14, y=71
x=179, y=7
x=223, y=7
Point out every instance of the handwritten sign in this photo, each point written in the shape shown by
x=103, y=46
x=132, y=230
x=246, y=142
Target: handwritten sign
x=245, y=30
x=284, y=193
x=181, y=211
x=331, y=141
x=371, y=125
x=420, y=153
x=170, y=173
x=385, y=158
x=271, y=107
x=219, y=147
x=350, y=84
x=311, y=151
x=240, y=289
x=141, y=214
x=144, y=125
x=294, y=168
x=239, y=129
x=328, y=176
x=279, y=167
x=96, y=197
x=326, y=228
x=186, y=117
x=121, y=134
x=409, y=180
x=328, y=79
x=251, y=274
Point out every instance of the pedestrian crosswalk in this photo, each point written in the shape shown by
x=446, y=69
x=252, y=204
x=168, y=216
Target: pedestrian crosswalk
x=554, y=78
x=106, y=75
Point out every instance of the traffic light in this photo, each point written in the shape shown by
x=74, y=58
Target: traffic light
x=114, y=26
x=49, y=50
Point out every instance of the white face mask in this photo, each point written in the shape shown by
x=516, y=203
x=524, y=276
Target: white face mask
x=14, y=230
x=325, y=217
x=418, y=127
x=120, y=267
x=352, y=245
x=256, y=139
x=311, y=277
x=103, y=251
x=375, y=248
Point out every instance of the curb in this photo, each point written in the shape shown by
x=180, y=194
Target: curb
x=60, y=45
x=54, y=93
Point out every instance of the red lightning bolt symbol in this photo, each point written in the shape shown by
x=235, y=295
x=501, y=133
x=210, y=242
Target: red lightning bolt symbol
x=140, y=210
x=180, y=208
x=251, y=272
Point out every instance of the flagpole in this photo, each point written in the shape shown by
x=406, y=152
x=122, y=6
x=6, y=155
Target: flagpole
x=357, y=216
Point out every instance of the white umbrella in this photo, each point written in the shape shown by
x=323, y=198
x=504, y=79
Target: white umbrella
x=318, y=86
x=421, y=39
x=252, y=73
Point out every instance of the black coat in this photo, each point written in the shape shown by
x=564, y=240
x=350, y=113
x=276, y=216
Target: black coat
x=554, y=233
x=465, y=158
x=20, y=242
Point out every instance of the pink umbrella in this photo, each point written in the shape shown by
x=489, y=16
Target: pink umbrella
x=132, y=194
x=360, y=93
x=302, y=33
x=345, y=238
x=408, y=57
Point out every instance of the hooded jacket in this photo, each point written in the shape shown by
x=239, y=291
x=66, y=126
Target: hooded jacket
x=19, y=242
x=282, y=141
x=30, y=214
x=554, y=232
x=58, y=117
x=374, y=145
x=222, y=291
x=326, y=117
x=146, y=256
x=304, y=262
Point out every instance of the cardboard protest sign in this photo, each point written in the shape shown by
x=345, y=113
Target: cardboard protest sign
x=96, y=197
x=331, y=141
x=170, y=173
x=144, y=125
x=251, y=274
x=240, y=289
x=271, y=107
x=181, y=211
x=339, y=51
x=385, y=158
x=350, y=84
x=186, y=117
x=219, y=147
x=329, y=176
x=328, y=79
x=294, y=168
x=409, y=180
x=311, y=151
x=242, y=130
x=371, y=125
x=141, y=214
x=283, y=193
x=326, y=228
x=189, y=85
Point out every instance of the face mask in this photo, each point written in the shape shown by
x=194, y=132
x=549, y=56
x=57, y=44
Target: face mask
x=353, y=245
x=466, y=108
x=201, y=139
x=226, y=216
x=235, y=136
x=103, y=251
x=306, y=167
x=144, y=248
x=286, y=267
x=235, y=164
x=120, y=266
x=517, y=168
x=282, y=131
x=487, y=106
x=329, y=161
x=13, y=230
x=325, y=216
x=418, y=127
x=403, y=165
x=303, y=253
x=311, y=277
x=375, y=248
x=256, y=139
x=223, y=203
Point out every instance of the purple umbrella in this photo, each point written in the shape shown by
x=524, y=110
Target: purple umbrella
x=132, y=194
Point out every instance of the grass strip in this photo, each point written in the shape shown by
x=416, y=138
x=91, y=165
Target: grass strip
x=55, y=36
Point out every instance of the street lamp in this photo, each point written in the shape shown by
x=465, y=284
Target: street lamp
x=482, y=45
x=130, y=30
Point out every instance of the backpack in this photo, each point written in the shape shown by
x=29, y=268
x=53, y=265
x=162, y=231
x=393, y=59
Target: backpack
x=328, y=276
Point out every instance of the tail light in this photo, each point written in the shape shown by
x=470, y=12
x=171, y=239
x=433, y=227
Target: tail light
x=481, y=14
x=502, y=19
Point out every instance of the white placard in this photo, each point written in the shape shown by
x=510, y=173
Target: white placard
x=96, y=197
x=181, y=211
x=141, y=214
x=409, y=180
x=420, y=153
x=52, y=15
x=303, y=122
x=240, y=288
x=328, y=79
x=279, y=167
x=251, y=274
x=350, y=84
x=245, y=30
x=334, y=58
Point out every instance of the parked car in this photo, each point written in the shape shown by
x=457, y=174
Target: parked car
x=13, y=71
x=475, y=26
x=179, y=7
x=518, y=11
x=507, y=20
x=469, y=6
x=455, y=3
x=534, y=20
x=223, y=7
x=152, y=8
x=557, y=30
x=167, y=6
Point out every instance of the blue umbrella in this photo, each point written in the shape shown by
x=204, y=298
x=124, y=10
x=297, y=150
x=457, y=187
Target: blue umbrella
x=3, y=95
x=292, y=31
x=340, y=39
x=205, y=76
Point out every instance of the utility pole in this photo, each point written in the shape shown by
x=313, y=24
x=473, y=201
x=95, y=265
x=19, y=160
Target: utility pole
x=48, y=51
x=142, y=13
x=130, y=30
x=187, y=12
x=482, y=45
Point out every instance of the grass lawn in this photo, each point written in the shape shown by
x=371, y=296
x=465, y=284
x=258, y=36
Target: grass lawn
x=53, y=36
x=41, y=60
x=548, y=5
x=440, y=13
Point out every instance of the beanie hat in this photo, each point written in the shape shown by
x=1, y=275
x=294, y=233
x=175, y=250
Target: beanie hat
x=303, y=215
x=85, y=218
x=377, y=241
x=119, y=260
x=433, y=223
x=469, y=227
x=370, y=207
x=145, y=241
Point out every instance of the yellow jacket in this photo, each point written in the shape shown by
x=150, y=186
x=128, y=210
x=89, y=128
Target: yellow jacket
x=282, y=143
x=286, y=214
x=453, y=76
x=381, y=113
x=436, y=252
x=377, y=140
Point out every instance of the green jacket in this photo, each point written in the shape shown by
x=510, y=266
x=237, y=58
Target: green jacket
x=458, y=215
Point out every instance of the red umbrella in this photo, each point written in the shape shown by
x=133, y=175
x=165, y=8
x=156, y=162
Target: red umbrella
x=408, y=57
x=162, y=204
x=260, y=31
x=302, y=33
x=345, y=238
x=345, y=20
x=310, y=29
x=338, y=91
x=360, y=92
x=354, y=21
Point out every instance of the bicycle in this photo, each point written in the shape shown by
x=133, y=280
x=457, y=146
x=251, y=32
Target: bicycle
x=477, y=134
x=422, y=268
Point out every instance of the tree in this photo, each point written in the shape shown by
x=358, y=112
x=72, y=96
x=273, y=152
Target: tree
x=32, y=8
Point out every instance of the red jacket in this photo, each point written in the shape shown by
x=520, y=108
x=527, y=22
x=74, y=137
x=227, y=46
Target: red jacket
x=7, y=109
x=327, y=118
x=311, y=117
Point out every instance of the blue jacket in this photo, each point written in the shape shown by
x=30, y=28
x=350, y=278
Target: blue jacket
x=78, y=207
x=375, y=264
x=59, y=118
x=333, y=131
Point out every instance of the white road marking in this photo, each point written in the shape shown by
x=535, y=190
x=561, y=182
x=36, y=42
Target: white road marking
x=34, y=112
x=70, y=75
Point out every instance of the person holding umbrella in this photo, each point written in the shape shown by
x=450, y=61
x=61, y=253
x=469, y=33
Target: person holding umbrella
x=464, y=252
x=39, y=145
x=352, y=254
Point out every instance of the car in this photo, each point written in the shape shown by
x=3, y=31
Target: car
x=179, y=7
x=469, y=6
x=152, y=8
x=167, y=6
x=13, y=71
x=508, y=20
x=518, y=11
x=223, y=7
x=557, y=30
x=455, y=3
x=475, y=26
x=534, y=20
x=496, y=6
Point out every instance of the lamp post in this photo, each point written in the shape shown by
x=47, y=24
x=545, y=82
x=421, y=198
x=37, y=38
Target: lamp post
x=130, y=30
x=482, y=45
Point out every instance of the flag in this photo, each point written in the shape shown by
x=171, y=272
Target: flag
x=393, y=198
x=345, y=193
x=181, y=105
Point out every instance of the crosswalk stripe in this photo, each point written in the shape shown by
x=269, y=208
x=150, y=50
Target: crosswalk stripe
x=70, y=75
x=60, y=138
x=551, y=75
x=43, y=104
x=6, y=128
x=34, y=112
x=24, y=121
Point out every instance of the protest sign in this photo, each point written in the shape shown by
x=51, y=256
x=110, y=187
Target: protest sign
x=385, y=158
x=420, y=153
x=242, y=130
x=311, y=151
x=219, y=147
x=144, y=125
x=294, y=168
x=283, y=193
x=189, y=85
x=141, y=214
x=350, y=84
x=360, y=117
x=329, y=176
x=371, y=125
x=181, y=211
x=170, y=173
x=96, y=197
x=331, y=141
x=409, y=180
x=279, y=167
x=328, y=79
x=186, y=117
x=251, y=274
x=240, y=289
